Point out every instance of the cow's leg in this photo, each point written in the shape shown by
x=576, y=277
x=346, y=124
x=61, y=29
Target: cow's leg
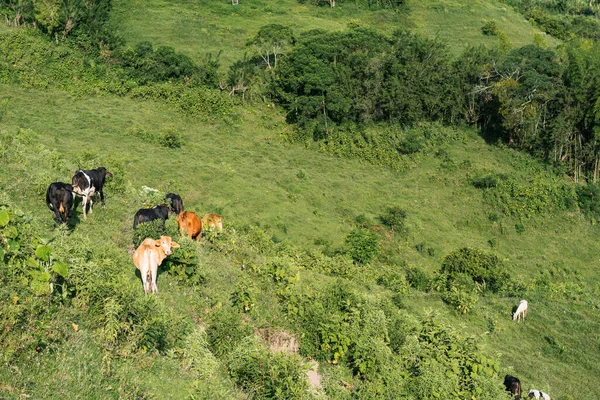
x=154, y=270
x=102, y=198
x=57, y=216
x=91, y=203
x=84, y=206
x=144, y=272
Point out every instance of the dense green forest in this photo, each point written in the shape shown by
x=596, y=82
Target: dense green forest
x=390, y=193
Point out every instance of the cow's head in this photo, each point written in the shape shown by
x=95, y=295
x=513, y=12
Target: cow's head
x=166, y=243
x=104, y=171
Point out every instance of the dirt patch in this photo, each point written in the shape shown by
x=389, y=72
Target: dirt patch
x=279, y=340
x=313, y=375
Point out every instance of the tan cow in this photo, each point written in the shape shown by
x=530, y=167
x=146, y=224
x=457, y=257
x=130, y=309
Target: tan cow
x=213, y=221
x=149, y=256
x=190, y=223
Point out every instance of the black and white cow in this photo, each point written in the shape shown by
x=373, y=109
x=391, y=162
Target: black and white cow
x=161, y=212
x=59, y=198
x=176, y=202
x=86, y=183
x=513, y=385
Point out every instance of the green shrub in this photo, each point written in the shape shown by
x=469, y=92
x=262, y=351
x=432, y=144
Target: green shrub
x=225, y=330
x=588, y=199
x=417, y=278
x=483, y=268
x=394, y=218
x=362, y=245
x=153, y=229
x=267, y=375
x=171, y=139
x=490, y=28
x=459, y=298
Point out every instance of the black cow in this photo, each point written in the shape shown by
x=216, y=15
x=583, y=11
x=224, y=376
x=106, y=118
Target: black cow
x=59, y=198
x=513, y=385
x=87, y=182
x=150, y=214
x=176, y=202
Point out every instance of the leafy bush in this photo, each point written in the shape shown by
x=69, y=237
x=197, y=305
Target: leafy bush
x=538, y=196
x=242, y=297
x=171, y=139
x=394, y=218
x=490, y=28
x=588, y=198
x=226, y=330
x=153, y=229
x=417, y=278
x=483, y=268
x=144, y=64
x=266, y=374
x=362, y=245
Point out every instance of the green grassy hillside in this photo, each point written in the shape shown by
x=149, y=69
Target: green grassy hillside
x=240, y=169
x=307, y=251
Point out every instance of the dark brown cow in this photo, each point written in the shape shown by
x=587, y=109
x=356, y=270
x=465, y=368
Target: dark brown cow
x=190, y=223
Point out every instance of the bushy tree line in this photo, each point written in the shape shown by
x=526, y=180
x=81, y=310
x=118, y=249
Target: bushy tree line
x=564, y=19
x=334, y=84
x=86, y=18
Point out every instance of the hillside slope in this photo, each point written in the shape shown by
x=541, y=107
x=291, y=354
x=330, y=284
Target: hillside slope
x=241, y=170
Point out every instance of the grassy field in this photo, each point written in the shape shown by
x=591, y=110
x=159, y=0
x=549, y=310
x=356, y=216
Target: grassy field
x=216, y=26
x=237, y=167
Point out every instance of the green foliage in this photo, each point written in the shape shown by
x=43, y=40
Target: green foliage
x=242, y=297
x=538, y=196
x=171, y=139
x=86, y=20
x=226, y=330
x=272, y=41
x=153, y=229
x=267, y=375
x=483, y=268
x=394, y=218
x=588, y=198
x=490, y=28
x=143, y=64
x=362, y=245
x=417, y=278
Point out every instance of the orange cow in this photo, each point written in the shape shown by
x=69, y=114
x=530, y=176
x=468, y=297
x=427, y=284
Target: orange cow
x=149, y=256
x=189, y=222
x=213, y=221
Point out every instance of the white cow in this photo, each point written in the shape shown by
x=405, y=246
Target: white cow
x=521, y=311
x=537, y=394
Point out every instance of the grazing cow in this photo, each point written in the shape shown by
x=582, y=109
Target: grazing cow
x=148, y=256
x=190, y=222
x=513, y=385
x=59, y=198
x=160, y=211
x=521, y=311
x=213, y=221
x=537, y=394
x=176, y=202
x=87, y=182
